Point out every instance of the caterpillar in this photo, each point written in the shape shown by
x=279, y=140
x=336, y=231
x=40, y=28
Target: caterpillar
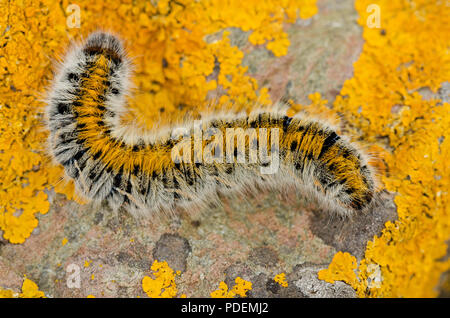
x=111, y=162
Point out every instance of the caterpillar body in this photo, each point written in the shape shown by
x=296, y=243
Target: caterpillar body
x=110, y=162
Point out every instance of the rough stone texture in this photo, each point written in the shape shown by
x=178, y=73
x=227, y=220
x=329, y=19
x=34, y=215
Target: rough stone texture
x=305, y=280
x=254, y=237
x=351, y=234
x=173, y=249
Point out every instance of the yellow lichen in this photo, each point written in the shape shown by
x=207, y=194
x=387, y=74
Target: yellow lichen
x=240, y=288
x=222, y=292
x=6, y=293
x=281, y=279
x=401, y=60
x=163, y=285
x=341, y=268
x=29, y=290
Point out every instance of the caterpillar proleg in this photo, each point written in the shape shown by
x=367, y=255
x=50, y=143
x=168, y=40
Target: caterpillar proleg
x=141, y=172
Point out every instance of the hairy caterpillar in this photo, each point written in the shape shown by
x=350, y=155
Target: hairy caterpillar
x=109, y=162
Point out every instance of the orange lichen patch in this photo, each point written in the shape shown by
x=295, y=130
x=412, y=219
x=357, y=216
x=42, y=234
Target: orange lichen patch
x=64, y=241
x=341, y=268
x=26, y=42
x=408, y=52
x=222, y=292
x=281, y=279
x=6, y=293
x=163, y=285
x=173, y=61
x=240, y=288
x=29, y=290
